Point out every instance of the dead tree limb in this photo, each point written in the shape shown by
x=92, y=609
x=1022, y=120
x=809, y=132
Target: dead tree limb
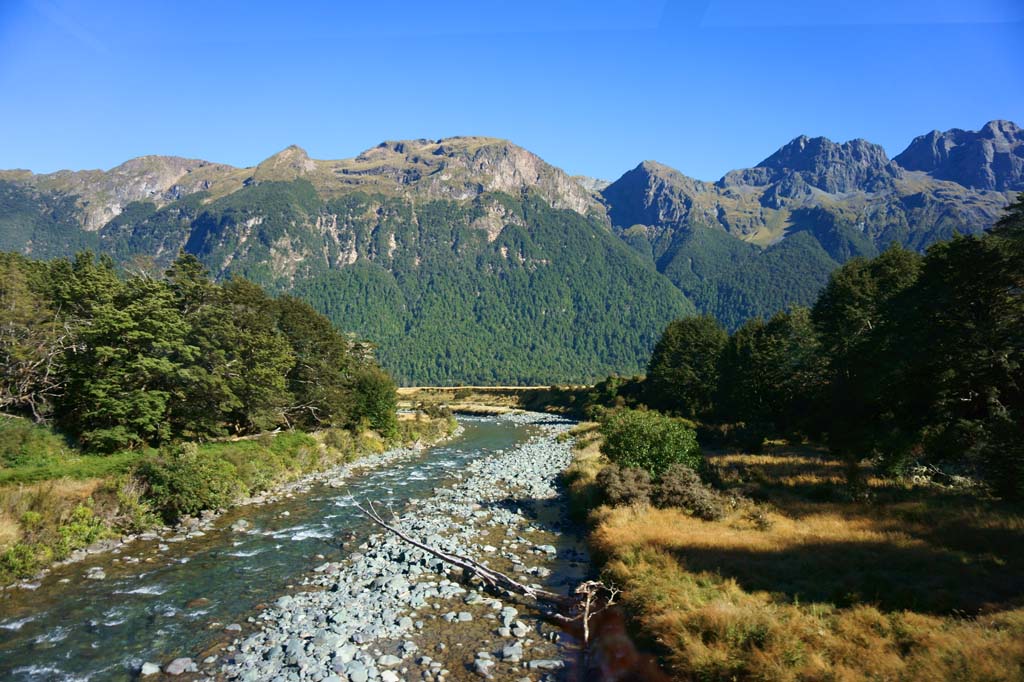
x=489, y=576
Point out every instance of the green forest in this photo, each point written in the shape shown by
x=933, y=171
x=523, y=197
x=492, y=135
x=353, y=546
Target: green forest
x=127, y=362
x=915, y=359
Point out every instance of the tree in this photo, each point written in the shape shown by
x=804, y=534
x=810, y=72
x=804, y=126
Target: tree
x=958, y=388
x=320, y=378
x=130, y=365
x=861, y=349
x=682, y=374
x=1011, y=225
x=650, y=441
x=33, y=342
x=256, y=356
x=375, y=399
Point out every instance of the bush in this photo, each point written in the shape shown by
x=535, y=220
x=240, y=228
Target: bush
x=680, y=486
x=21, y=560
x=182, y=481
x=81, y=530
x=619, y=486
x=376, y=400
x=651, y=441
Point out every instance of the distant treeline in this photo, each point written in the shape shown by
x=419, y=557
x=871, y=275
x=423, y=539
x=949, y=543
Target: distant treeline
x=908, y=358
x=120, y=362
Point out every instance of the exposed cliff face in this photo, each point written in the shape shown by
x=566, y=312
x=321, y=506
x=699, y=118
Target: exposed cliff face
x=461, y=168
x=852, y=166
x=853, y=181
x=991, y=158
x=103, y=195
x=749, y=244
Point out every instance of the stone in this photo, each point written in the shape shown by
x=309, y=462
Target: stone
x=357, y=671
x=149, y=669
x=180, y=666
x=483, y=667
x=546, y=664
x=512, y=652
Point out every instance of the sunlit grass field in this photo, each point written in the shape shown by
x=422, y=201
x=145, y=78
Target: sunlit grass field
x=809, y=578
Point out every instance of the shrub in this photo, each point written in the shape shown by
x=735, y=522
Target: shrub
x=376, y=399
x=134, y=513
x=649, y=440
x=81, y=530
x=629, y=485
x=680, y=486
x=20, y=560
x=182, y=481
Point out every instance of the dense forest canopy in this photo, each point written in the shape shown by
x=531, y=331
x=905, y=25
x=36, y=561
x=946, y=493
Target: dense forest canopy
x=127, y=361
x=912, y=359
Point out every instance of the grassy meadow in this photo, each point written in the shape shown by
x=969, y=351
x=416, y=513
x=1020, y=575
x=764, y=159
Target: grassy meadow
x=812, y=577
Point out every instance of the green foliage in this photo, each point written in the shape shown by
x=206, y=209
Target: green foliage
x=23, y=444
x=770, y=373
x=650, y=441
x=22, y=560
x=376, y=400
x=553, y=297
x=683, y=372
x=184, y=481
x=142, y=362
x=906, y=358
x=81, y=530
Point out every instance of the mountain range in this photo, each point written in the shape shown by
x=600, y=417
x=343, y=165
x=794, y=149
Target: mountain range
x=470, y=259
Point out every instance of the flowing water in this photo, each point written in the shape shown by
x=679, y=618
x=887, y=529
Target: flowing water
x=176, y=602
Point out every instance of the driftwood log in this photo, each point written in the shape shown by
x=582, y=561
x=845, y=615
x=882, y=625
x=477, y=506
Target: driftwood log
x=589, y=599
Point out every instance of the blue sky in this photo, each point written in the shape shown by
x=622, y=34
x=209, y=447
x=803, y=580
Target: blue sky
x=592, y=87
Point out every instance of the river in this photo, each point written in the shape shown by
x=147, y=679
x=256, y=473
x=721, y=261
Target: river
x=176, y=602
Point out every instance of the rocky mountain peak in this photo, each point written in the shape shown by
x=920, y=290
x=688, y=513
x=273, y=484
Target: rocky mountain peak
x=463, y=167
x=831, y=166
x=290, y=163
x=991, y=158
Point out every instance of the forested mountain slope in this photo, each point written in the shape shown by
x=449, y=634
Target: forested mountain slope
x=470, y=259
x=808, y=208
x=465, y=260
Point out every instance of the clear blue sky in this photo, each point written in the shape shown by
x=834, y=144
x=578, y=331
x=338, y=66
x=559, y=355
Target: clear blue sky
x=592, y=87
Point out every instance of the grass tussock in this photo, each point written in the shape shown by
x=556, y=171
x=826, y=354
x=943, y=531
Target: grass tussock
x=821, y=574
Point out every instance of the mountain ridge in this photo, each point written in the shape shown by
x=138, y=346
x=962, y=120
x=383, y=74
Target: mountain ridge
x=472, y=259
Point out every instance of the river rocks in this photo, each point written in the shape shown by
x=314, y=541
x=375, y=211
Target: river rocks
x=149, y=669
x=386, y=600
x=546, y=665
x=95, y=573
x=513, y=652
x=179, y=666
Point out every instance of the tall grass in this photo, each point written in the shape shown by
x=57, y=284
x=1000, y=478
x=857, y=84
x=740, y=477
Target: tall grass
x=818, y=580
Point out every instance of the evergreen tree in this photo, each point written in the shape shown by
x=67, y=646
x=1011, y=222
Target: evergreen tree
x=682, y=375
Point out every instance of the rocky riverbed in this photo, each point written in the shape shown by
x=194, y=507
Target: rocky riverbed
x=390, y=612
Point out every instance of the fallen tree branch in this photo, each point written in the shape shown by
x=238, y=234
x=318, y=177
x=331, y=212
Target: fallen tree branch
x=489, y=576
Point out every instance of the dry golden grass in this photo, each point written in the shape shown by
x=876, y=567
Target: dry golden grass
x=808, y=583
x=51, y=500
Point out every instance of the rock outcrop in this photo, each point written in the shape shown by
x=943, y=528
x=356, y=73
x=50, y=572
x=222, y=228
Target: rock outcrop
x=991, y=158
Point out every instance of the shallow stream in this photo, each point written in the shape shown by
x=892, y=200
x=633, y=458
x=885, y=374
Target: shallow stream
x=177, y=602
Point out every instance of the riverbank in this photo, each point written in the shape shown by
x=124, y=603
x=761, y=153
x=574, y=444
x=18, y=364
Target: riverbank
x=808, y=577
x=389, y=611
x=54, y=522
